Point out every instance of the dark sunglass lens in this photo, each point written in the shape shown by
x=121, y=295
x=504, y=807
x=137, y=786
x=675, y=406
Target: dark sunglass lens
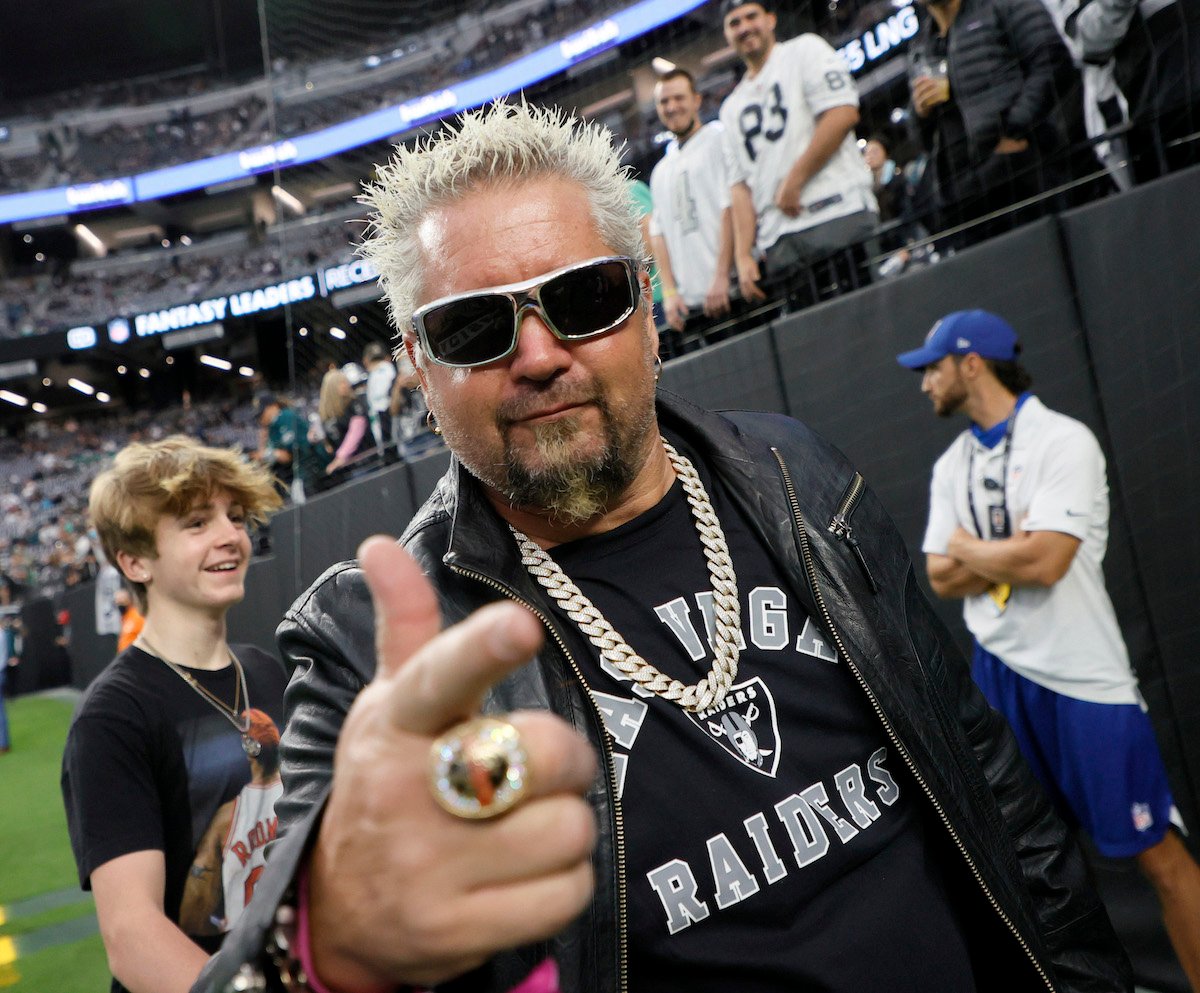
x=470, y=331
x=588, y=300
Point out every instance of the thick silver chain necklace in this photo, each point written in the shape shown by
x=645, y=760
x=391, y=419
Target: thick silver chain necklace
x=233, y=715
x=727, y=616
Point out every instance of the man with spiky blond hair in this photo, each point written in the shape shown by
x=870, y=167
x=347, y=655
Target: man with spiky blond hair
x=726, y=745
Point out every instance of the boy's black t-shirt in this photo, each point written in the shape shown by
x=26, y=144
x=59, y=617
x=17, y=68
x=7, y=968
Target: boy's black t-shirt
x=776, y=842
x=150, y=765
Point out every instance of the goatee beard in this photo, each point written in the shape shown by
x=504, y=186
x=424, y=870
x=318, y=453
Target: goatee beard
x=568, y=488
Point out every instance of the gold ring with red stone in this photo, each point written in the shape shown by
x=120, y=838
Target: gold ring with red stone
x=478, y=769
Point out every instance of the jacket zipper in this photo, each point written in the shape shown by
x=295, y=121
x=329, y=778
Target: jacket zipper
x=618, y=815
x=840, y=527
x=810, y=569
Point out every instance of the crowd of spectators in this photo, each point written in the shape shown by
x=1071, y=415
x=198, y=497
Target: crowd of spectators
x=189, y=81
x=503, y=39
x=64, y=153
x=64, y=298
x=45, y=542
x=69, y=297
x=123, y=150
x=1042, y=111
x=27, y=172
x=71, y=154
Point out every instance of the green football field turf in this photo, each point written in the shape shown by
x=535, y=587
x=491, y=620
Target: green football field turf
x=48, y=939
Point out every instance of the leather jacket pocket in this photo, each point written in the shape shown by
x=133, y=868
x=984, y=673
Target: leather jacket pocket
x=841, y=528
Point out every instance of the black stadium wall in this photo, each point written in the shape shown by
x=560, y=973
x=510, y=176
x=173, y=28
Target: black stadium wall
x=1107, y=302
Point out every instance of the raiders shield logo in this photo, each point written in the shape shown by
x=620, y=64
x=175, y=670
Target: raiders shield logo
x=745, y=725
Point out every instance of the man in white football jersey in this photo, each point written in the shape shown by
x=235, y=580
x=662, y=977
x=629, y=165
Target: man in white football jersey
x=690, y=230
x=799, y=187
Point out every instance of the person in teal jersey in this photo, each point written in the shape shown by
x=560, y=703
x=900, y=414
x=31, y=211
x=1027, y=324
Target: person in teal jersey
x=287, y=449
x=639, y=192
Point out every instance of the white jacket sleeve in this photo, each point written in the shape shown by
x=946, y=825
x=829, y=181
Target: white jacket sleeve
x=1101, y=25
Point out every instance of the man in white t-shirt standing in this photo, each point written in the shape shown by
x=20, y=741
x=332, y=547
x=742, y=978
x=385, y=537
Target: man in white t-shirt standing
x=1018, y=528
x=799, y=187
x=691, y=232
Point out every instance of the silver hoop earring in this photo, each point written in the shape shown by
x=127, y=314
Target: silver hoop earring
x=657, y=367
x=431, y=423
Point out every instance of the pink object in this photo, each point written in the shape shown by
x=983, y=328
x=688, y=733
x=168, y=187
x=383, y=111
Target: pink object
x=354, y=434
x=543, y=979
x=303, y=944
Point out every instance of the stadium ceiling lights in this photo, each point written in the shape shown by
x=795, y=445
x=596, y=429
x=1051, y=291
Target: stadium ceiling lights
x=211, y=360
x=246, y=371
x=336, y=332
x=82, y=387
x=14, y=398
x=287, y=200
x=39, y=408
x=91, y=240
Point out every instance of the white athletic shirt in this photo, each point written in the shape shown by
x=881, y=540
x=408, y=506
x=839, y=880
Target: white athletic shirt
x=769, y=122
x=1064, y=637
x=244, y=855
x=690, y=189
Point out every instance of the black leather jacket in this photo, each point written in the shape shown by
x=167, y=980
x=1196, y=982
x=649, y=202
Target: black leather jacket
x=1035, y=922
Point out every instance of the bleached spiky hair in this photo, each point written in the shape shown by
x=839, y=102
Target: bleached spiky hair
x=503, y=142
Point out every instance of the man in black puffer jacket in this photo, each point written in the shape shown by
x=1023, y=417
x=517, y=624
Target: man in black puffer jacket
x=998, y=106
x=750, y=757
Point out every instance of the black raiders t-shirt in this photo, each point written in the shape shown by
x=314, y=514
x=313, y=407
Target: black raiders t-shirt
x=149, y=765
x=774, y=842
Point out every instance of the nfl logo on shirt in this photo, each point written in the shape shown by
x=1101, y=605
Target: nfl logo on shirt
x=1143, y=820
x=745, y=725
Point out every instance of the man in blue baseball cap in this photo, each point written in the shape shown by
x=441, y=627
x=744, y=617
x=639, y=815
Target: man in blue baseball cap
x=1018, y=527
x=961, y=333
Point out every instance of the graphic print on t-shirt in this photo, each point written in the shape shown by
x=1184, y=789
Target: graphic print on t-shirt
x=148, y=764
x=745, y=723
x=231, y=855
x=772, y=841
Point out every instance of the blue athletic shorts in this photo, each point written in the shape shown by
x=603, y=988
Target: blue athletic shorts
x=1099, y=762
